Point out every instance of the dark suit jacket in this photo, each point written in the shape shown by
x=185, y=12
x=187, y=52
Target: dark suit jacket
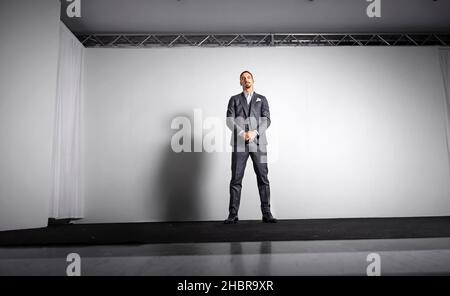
x=241, y=117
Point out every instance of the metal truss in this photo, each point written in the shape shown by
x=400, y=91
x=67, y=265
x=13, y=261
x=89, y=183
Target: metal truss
x=264, y=39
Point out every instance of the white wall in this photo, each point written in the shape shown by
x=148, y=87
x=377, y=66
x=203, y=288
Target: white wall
x=356, y=132
x=28, y=60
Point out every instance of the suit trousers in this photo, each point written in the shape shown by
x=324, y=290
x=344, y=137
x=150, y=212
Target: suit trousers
x=238, y=163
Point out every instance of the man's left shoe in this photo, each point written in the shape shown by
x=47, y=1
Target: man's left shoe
x=268, y=218
x=232, y=219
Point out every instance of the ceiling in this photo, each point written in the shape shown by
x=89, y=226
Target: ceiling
x=257, y=16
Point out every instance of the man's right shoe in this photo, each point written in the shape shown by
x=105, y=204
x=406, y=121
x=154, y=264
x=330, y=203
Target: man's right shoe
x=232, y=219
x=268, y=218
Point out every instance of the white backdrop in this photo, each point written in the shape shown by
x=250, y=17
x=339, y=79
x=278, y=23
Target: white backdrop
x=28, y=74
x=356, y=132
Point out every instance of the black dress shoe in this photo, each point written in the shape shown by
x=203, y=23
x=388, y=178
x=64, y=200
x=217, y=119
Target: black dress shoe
x=268, y=218
x=232, y=219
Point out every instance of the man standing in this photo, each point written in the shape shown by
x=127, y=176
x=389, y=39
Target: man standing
x=248, y=117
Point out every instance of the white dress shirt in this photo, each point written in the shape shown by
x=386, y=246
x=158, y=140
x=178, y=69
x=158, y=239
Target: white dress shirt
x=248, y=96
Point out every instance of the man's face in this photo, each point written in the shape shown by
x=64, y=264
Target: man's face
x=246, y=80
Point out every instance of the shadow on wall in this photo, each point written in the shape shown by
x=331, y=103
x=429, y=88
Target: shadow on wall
x=179, y=178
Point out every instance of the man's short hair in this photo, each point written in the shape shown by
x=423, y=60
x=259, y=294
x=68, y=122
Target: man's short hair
x=246, y=72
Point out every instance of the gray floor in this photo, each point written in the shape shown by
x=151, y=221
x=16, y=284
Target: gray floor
x=429, y=256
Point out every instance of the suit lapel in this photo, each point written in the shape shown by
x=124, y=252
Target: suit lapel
x=253, y=103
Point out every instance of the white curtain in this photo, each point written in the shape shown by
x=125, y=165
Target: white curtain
x=66, y=200
x=444, y=58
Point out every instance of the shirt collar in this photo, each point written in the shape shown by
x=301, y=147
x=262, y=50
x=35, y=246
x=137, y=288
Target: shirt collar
x=246, y=93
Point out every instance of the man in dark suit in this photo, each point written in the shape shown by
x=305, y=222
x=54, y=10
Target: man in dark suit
x=248, y=117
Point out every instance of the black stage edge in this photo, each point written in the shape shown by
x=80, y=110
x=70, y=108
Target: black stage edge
x=216, y=231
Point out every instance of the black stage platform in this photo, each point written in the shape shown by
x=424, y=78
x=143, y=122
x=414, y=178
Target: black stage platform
x=216, y=231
